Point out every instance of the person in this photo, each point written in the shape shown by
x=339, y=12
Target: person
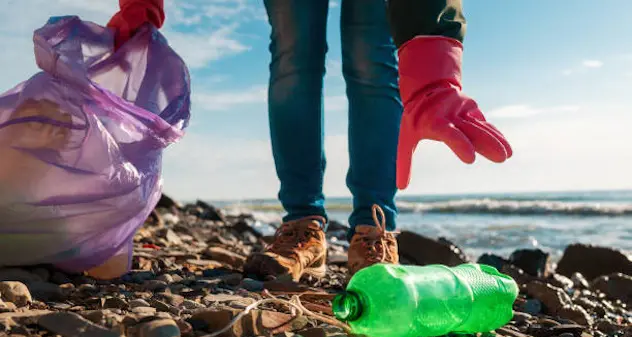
x=394, y=103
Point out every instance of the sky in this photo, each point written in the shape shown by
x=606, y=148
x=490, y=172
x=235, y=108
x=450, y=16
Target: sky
x=554, y=77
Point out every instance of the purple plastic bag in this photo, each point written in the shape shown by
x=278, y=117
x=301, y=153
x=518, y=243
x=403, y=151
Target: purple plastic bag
x=81, y=143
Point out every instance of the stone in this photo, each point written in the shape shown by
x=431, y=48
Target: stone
x=492, y=260
x=616, y=286
x=159, y=328
x=225, y=256
x=16, y=292
x=173, y=238
x=46, y=291
x=168, y=203
x=255, y=323
x=593, y=261
x=155, y=285
x=188, y=304
x=534, y=262
x=579, y=281
x=138, y=303
x=420, y=250
x=17, y=274
x=115, y=303
x=144, y=310
x=71, y=324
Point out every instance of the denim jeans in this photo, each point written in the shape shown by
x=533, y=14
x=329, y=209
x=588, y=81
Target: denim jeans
x=295, y=102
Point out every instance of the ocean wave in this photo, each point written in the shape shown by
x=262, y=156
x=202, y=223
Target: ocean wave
x=512, y=207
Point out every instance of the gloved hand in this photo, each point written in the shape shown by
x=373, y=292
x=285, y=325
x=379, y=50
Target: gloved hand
x=436, y=109
x=132, y=15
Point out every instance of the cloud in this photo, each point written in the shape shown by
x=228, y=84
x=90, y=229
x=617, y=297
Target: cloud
x=583, y=67
x=199, y=49
x=592, y=63
x=221, y=101
x=521, y=111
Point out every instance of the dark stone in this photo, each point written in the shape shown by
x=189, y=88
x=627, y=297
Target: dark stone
x=615, y=286
x=492, y=260
x=420, y=250
x=210, y=212
x=593, y=261
x=534, y=262
x=531, y=306
x=168, y=203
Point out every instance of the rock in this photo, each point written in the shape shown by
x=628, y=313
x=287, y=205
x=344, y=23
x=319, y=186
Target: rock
x=534, y=262
x=225, y=256
x=560, y=281
x=252, y=285
x=168, y=203
x=420, y=250
x=144, y=310
x=173, y=238
x=188, y=304
x=615, y=286
x=593, y=261
x=531, y=306
x=210, y=212
x=579, y=281
x=71, y=324
x=115, y=303
x=46, y=291
x=16, y=292
x=16, y=274
x=557, y=302
x=170, y=299
x=492, y=260
x=521, y=317
x=255, y=323
x=155, y=285
x=576, y=314
x=159, y=328
x=138, y=303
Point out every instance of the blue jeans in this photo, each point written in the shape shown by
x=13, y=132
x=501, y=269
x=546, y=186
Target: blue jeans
x=295, y=103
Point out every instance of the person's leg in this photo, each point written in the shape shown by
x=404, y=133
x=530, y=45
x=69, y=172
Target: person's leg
x=298, y=47
x=375, y=109
x=370, y=71
x=295, y=103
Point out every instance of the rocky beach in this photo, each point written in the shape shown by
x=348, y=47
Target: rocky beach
x=187, y=280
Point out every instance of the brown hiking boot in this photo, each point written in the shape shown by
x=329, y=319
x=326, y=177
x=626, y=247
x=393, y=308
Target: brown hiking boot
x=372, y=244
x=299, y=248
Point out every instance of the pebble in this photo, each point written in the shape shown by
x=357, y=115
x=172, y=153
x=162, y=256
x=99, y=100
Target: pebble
x=16, y=292
x=159, y=328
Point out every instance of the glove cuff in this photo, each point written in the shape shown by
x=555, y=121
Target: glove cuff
x=428, y=61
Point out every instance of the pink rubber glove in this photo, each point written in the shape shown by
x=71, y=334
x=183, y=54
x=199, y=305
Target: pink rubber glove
x=436, y=109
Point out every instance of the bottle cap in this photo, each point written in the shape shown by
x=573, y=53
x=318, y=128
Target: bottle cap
x=347, y=306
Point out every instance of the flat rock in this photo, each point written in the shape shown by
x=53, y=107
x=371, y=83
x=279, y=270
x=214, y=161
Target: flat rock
x=225, y=256
x=616, y=286
x=420, y=250
x=159, y=328
x=593, y=261
x=255, y=323
x=71, y=324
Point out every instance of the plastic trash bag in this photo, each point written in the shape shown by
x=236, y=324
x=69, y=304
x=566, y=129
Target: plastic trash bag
x=81, y=144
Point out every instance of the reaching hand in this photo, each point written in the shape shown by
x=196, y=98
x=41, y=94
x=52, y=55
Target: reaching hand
x=436, y=109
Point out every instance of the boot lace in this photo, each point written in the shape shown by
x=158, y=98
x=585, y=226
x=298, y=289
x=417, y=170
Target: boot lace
x=294, y=235
x=376, y=241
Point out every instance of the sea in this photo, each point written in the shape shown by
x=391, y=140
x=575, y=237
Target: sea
x=503, y=222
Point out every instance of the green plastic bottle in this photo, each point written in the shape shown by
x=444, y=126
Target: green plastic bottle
x=386, y=300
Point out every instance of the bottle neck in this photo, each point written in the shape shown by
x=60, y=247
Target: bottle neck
x=347, y=306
